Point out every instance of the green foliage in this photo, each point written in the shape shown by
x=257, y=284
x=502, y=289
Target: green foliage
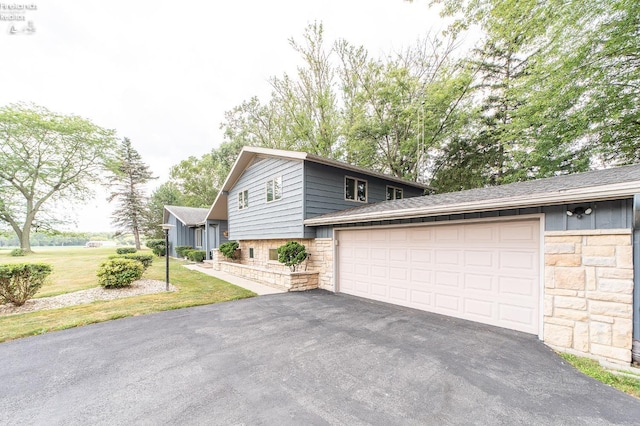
x=119, y=272
x=197, y=180
x=196, y=255
x=292, y=254
x=145, y=259
x=229, y=248
x=20, y=281
x=126, y=250
x=129, y=175
x=17, y=252
x=167, y=194
x=156, y=246
x=181, y=250
x=44, y=157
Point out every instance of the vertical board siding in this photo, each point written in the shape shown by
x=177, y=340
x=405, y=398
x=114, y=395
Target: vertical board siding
x=276, y=219
x=179, y=235
x=324, y=189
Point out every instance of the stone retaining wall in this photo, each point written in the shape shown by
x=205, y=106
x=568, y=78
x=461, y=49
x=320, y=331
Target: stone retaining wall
x=588, y=295
x=284, y=280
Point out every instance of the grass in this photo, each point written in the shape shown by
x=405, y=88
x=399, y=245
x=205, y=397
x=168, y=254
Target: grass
x=194, y=288
x=74, y=268
x=593, y=369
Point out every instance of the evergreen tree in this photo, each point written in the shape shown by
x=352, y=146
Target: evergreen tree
x=129, y=174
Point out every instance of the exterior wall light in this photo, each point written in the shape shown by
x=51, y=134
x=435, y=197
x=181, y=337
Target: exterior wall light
x=579, y=212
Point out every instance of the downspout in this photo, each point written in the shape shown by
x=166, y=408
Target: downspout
x=635, y=351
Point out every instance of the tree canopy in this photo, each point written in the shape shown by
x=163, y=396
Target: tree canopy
x=46, y=157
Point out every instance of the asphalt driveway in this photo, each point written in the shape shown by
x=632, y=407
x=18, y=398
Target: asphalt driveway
x=300, y=359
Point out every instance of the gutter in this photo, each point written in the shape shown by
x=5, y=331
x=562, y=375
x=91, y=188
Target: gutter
x=605, y=192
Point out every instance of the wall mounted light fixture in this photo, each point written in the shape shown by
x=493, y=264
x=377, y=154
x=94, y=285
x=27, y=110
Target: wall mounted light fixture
x=579, y=212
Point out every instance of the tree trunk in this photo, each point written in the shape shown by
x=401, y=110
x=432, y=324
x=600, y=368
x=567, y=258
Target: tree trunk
x=25, y=243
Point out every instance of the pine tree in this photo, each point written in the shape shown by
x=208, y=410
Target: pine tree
x=129, y=174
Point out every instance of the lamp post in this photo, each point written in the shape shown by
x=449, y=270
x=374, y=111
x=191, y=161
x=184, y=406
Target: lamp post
x=166, y=227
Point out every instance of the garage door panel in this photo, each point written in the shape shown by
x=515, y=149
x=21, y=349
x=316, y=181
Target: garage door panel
x=478, y=258
x=448, y=303
x=483, y=310
x=483, y=271
x=477, y=282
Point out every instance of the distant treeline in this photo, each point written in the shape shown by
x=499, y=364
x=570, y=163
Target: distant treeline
x=66, y=239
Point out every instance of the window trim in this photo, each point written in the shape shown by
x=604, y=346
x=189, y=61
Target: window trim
x=356, y=180
x=198, y=236
x=266, y=192
x=243, y=205
x=395, y=188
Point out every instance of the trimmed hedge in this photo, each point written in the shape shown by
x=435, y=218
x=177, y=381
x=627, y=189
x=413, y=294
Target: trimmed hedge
x=181, y=251
x=229, y=248
x=156, y=246
x=145, y=259
x=196, y=255
x=20, y=281
x=126, y=250
x=119, y=272
x=292, y=254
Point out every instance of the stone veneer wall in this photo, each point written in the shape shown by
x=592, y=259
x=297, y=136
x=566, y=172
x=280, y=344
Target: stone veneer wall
x=320, y=261
x=588, y=294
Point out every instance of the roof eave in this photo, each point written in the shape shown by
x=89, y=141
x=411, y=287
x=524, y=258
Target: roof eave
x=599, y=193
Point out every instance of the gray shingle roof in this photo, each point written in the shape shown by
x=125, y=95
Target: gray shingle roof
x=579, y=187
x=188, y=215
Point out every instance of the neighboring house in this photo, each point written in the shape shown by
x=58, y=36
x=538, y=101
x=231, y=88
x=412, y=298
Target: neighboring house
x=552, y=257
x=191, y=228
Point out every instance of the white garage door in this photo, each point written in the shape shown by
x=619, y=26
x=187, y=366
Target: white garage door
x=485, y=271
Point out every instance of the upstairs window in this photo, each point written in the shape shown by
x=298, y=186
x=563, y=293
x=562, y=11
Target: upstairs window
x=355, y=189
x=243, y=199
x=394, y=193
x=274, y=189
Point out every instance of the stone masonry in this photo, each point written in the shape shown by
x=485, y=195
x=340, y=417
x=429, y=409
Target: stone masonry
x=588, y=294
x=271, y=272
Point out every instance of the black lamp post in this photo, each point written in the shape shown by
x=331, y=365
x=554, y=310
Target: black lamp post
x=166, y=227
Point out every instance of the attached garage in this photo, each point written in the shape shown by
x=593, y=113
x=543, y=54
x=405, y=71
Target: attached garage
x=486, y=271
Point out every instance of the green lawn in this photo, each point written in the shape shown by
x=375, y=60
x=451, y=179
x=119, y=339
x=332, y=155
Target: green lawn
x=630, y=385
x=74, y=269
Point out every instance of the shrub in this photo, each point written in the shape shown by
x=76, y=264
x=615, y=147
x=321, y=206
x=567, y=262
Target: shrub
x=292, y=254
x=126, y=250
x=145, y=259
x=17, y=252
x=181, y=250
x=156, y=246
x=229, y=248
x=197, y=255
x=119, y=272
x=20, y=281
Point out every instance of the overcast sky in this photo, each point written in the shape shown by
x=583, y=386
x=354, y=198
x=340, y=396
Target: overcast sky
x=164, y=72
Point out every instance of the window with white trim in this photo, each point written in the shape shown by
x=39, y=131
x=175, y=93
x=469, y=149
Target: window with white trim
x=274, y=189
x=198, y=242
x=394, y=193
x=355, y=189
x=243, y=199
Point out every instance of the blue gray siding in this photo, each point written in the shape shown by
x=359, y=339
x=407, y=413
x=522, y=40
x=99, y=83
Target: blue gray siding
x=615, y=214
x=324, y=188
x=179, y=235
x=262, y=220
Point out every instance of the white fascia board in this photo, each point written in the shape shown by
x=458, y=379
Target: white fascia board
x=599, y=193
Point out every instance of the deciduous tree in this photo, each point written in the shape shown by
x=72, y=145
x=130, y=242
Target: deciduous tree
x=46, y=157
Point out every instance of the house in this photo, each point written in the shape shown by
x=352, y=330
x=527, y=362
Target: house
x=552, y=257
x=190, y=227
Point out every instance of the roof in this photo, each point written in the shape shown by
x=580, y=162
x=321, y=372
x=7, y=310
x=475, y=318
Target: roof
x=189, y=216
x=248, y=153
x=608, y=184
